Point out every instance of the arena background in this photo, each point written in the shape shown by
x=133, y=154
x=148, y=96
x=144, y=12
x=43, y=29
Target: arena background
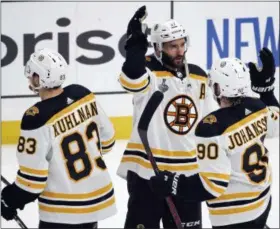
x=91, y=35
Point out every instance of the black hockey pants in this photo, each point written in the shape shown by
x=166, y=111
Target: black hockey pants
x=46, y=225
x=145, y=209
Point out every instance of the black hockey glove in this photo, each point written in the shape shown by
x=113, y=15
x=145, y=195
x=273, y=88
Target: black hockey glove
x=165, y=184
x=136, y=31
x=262, y=81
x=11, y=201
x=7, y=212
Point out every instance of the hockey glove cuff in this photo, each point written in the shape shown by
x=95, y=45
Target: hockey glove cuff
x=269, y=99
x=165, y=184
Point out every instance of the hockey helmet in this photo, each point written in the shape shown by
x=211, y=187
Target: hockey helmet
x=170, y=30
x=49, y=65
x=232, y=76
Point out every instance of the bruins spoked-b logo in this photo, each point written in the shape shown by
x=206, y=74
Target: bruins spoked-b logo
x=180, y=114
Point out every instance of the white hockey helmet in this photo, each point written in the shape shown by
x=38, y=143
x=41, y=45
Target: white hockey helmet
x=232, y=76
x=170, y=30
x=49, y=65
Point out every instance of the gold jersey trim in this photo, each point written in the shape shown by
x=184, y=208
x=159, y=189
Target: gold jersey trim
x=133, y=86
x=33, y=171
x=146, y=164
x=160, y=152
x=73, y=210
x=78, y=196
x=71, y=107
x=245, y=120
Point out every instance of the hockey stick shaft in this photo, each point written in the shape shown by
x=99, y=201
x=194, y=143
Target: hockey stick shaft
x=143, y=125
x=16, y=218
x=5, y=181
x=168, y=199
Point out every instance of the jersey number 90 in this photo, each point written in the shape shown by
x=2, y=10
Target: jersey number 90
x=81, y=154
x=207, y=152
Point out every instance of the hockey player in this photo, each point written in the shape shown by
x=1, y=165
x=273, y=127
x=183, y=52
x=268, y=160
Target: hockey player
x=235, y=175
x=59, y=151
x=171, y=132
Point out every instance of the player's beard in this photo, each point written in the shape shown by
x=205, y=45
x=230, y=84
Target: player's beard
x=178, y=61
x=174, y=62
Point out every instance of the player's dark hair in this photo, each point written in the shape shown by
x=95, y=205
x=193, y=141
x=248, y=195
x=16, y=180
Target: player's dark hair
x=56, y=87
x=235, y=101
x=217, y=89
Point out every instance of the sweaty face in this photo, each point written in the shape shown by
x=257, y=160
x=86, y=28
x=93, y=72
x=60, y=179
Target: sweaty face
x=175, y=50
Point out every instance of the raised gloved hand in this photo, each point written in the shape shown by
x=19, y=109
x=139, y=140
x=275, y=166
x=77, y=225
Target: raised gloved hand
x=136, y=31
x=165, y=184
x=7, y=212
x=262, y=80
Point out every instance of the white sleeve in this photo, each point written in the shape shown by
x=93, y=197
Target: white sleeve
x=214, y=165
x=107, y=131
x=273, y=122
x=132, y=85
x=32, y=149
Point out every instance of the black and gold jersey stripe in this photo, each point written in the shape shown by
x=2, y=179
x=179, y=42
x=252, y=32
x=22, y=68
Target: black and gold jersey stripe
x=84, y=210
x=31, y=180
x=165, y=74
x=140, y=85
x=77, y=203
x=198, y=77
x=34, y=172
x=166, y=160
x=215, y=183
x=108, y=145
x=237, y=202
x=160, y=159
x=161, y=152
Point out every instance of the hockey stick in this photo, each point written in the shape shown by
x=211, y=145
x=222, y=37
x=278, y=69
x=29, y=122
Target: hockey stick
x=16, y=218
x=143, y=125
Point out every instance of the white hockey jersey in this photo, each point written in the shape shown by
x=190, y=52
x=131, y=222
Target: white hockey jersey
x=171, y=131
x=60, y=156
x=234, y=163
